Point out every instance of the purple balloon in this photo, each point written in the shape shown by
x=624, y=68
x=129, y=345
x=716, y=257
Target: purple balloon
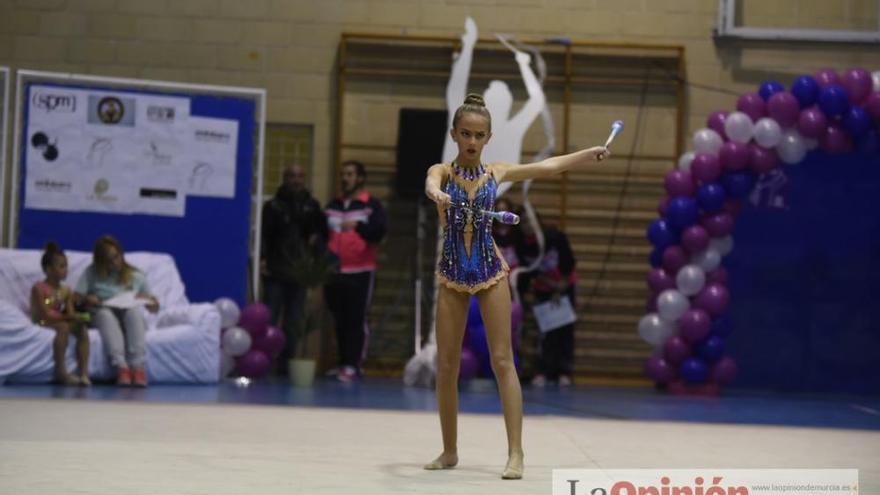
x=706, y=168
x=826, y=77
x=719, y=224
x=662, y=205
x=857, y=122
x=674, y=257
x=752, y=105
x=695, y=324
x=694, y=239
x=762, y=159
x=694, y=370
x=253, y=364
x=714, y=299
x=716, y=122
x=255, y=319
x=835, y=140
x=872, y=106
x=272, y=342
x=784, y=108
x=676, y=350
x=724, y=371
x=812, y=123
x=857, y=83
x=659, y=370
x=734, y=156
x=469, y=366
x=659, y=280
x=679, y=183
x=717, y=276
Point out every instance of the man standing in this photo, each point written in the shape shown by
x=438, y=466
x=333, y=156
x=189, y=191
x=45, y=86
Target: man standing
x=356, y=223
x=292, y=223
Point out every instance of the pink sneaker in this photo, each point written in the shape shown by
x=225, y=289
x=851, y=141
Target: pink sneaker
x=347, y=374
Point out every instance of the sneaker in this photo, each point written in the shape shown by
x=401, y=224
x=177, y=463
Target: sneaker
x=564, y=381
x=347, y=374
x=139, y=377
x=123, y=377
x=539, y=381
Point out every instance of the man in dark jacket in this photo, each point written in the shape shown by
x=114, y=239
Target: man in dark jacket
x=356, y=222
x=292, y=223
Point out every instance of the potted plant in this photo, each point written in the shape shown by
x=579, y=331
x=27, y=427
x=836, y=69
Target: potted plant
x=311, y=270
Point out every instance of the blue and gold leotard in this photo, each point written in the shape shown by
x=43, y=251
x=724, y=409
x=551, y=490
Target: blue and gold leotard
x=470, y=262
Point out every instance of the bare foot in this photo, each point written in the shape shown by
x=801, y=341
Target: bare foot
x=514, y=468
x=84, y=381
x=444, y=461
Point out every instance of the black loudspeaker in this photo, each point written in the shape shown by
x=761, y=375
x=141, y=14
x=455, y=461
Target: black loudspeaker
x=420, y=137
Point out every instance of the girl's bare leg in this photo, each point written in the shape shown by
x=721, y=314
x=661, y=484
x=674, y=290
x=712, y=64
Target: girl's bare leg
x=452, y=308
x=495, y=309
x=59, y=350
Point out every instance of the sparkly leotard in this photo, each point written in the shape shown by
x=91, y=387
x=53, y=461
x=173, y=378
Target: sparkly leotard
x=470, y=261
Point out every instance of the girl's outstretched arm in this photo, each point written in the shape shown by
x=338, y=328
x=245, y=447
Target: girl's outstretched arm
x=555, y=165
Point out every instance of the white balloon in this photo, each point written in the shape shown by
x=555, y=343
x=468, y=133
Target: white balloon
x=724, y=245
x=684, y=163
x=707, y=141
x=708, y=259
x=236, y=341
x=791, y=147
x=227, y=364
x=671, y=304
x=739, y=127
x=690, y=280
x=229, y=311
x=655, y=330
x=875, y=76
x=767, y=132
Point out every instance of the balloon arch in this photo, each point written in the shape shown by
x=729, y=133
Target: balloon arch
x=686, y=321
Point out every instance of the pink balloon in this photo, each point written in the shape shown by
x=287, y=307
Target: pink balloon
x=659, y=280
x=695, y=325
x=714, y=299
x=725, y=370
x=255, y=318
x=718, y=224
x=662, y=205
x=253, y=364
x=752, y=105
x=835, y=140
x=734, y=156
x=674, y=258
x=717, y=276
x=762, y=159
x=812, y=122
x=716, y=122
x=272, y=342
x=872, y=106
x=826, y=77
x=784, y=108
x=679, y=183
x=706, y=168
x=695, y=239
x=659, y=370
x=857, y=83
x=676, y=350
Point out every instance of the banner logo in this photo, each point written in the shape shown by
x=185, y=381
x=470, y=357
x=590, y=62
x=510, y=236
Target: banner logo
x=40, y=141
x=55, y=102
